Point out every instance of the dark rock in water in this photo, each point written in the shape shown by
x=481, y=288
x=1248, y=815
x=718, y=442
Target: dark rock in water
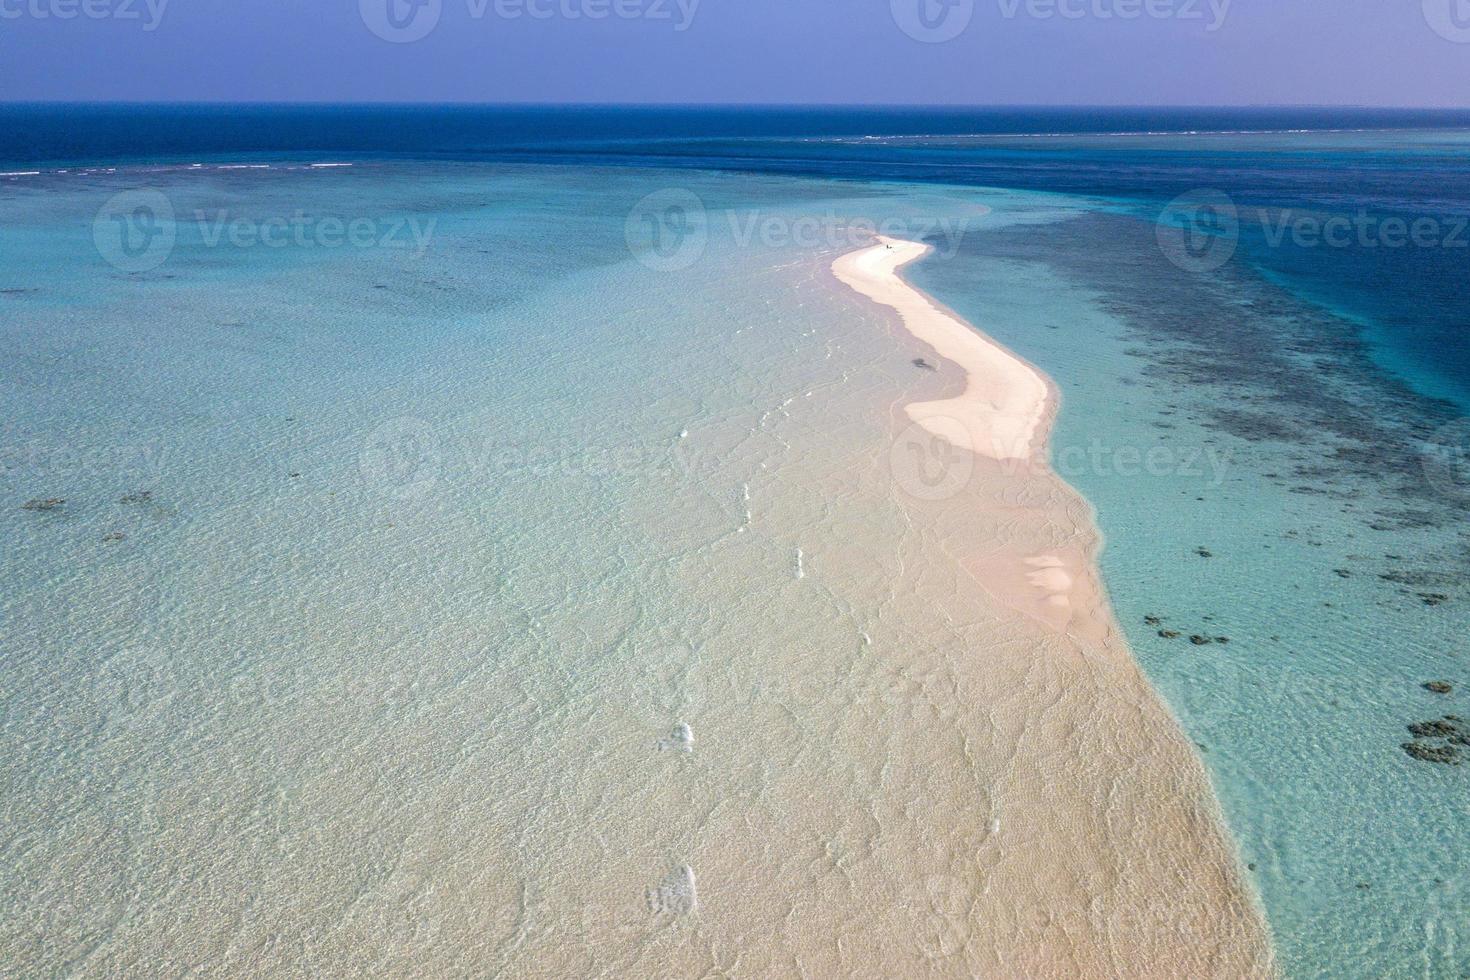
x=1433, y=598
x=1434, y=729
x=140, y=497
x=1421, y=578
x=1201, y=641
x=1152, y=621
x=1204, y=553
x=1170, y=634
x=1408, y=520
x=1440, y=687
x=1444, y=755
x=1343, y=573
x=924, y=365
x=47, y=503
x=1450, y=732
x=113, y=536
x=1222, y=639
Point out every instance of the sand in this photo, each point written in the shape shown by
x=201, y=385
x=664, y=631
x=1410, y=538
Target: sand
x=1003, y=414
x=1005, y=403
x=1120, y=834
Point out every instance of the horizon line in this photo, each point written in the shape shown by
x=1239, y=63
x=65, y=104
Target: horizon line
x=942, y=106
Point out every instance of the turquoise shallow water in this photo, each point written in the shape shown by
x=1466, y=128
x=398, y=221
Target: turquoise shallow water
x=389, y=591
x=1334, y=566
x=373, y=495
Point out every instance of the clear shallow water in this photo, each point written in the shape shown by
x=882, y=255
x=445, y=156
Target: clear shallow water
x=476, y=443
x=1294, y=467
x=441, y=632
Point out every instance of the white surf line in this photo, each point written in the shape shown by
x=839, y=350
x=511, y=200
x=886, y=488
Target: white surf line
x=1004, y=407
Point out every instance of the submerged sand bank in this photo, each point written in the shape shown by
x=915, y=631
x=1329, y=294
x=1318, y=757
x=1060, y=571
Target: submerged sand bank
x=1119, y=863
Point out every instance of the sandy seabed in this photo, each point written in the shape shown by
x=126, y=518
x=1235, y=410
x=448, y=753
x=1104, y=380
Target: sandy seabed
x=1117, y=863
x=836, y=693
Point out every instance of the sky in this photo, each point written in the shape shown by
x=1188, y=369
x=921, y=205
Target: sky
x=931, y=52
